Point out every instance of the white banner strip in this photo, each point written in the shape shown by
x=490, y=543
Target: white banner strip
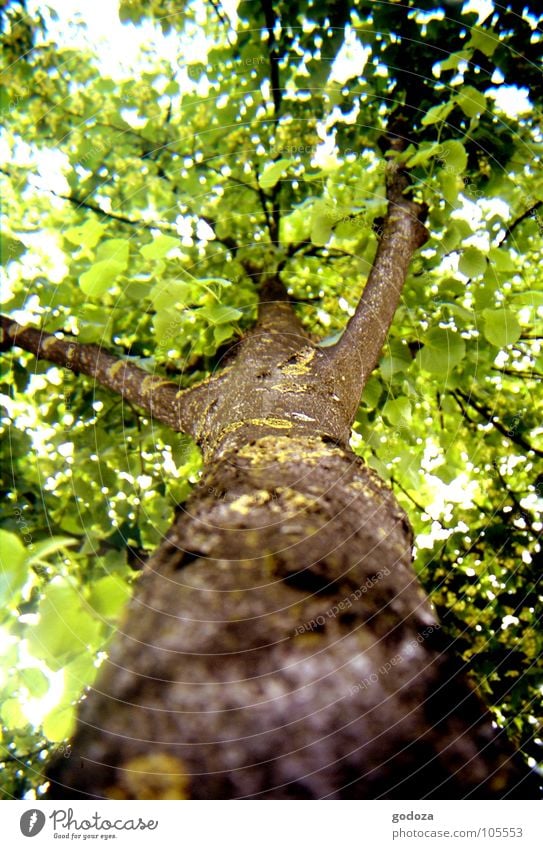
x=269, y=824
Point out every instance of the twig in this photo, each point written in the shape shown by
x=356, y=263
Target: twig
x=493, y=420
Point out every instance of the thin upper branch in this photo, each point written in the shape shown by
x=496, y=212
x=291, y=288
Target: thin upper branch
x=490, y=418
x=356, y=354
x=270, y=221
x=531, y=212
x=162, y=399
x=271, y=20
x=80, y=203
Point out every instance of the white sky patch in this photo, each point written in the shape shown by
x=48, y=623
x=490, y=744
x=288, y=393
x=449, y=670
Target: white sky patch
x=460, y=491
x=326, y=154
x=509, y=620
x=37, y=709
x=470, y=212
x=351, y=59
x=511, y=100
x=51, y=165
x=125, y=50
x=204, y=233
x=484, y=8
x=34, y=709
x=119, y=47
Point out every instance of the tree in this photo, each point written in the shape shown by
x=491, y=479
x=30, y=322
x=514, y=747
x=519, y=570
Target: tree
x=209, y=230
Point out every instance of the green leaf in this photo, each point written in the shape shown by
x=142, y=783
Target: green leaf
x=223, y=332
x=109, y=595
x=502, y=260
x=220, y=314
x=114, y=249
x=409, y=465
x=372, y=392
x=77, y=674
x=87, y=235
x=160, y=246
x=65, y=627
x=398, y=411
x=472, y=262
x=450, y=185
x=424, y=154
x=452, y=62
x=171, y=293
x=453, y=153
x=484, y=40
x=530, y=298
x=501, y=327
x=399, y=359
x=59, y=724
x=167, y=325
x=437, y=113
x=456, y=232
x=13, y=568
x=485, y=292
x=10, y=249
x=443, y=350
x=462, y=314
x=471, y=102
x=12, y=714
x=273, y=172
x=328, y=341
x=322, y=221
x=100, y=277
x=92, y=321
x=35, y=681
x=42, y=550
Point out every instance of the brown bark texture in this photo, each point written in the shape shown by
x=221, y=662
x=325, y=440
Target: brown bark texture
x=279, y=644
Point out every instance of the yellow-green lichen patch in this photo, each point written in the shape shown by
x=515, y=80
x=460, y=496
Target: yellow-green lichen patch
x=359, y=485
x=294, y=499
x=271, y=421
x=152, y=382
x=230, y=428
x=154, y=776
x=284, y=449
x=290, y=386
x=301, y=363
x=48, y=343
x=244, y=504
x=115, y=368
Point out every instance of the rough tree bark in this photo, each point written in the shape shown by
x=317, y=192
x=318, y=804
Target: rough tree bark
x=279, y=644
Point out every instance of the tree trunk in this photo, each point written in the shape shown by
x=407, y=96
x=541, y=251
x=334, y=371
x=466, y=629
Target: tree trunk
x=279, y=646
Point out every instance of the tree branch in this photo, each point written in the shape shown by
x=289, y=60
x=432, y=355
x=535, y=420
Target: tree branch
x=163, y=227
x=356, y=354
x=162, y=399
x=489, y=417
x=270, y=223
x=271, y=18
x=115, y=216
x=522, y=512
x=81, y=203
x=529, y=213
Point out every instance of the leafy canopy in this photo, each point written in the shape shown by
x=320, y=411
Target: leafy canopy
x=140, y=200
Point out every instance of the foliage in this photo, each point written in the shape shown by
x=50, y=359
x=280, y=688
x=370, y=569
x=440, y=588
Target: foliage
x=139, y=205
